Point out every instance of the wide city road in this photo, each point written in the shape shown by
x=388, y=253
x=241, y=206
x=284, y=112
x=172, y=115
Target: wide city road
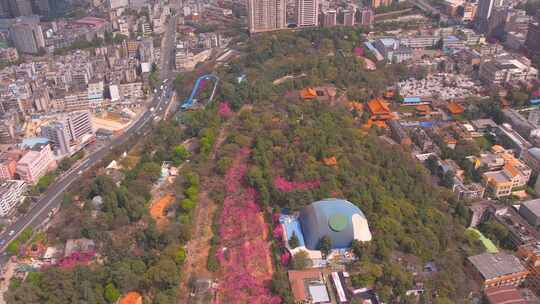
x=52, y=198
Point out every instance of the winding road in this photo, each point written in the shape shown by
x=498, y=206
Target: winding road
x=53, y=196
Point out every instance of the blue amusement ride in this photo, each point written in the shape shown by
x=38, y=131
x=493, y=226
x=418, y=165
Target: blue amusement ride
x=200, y=84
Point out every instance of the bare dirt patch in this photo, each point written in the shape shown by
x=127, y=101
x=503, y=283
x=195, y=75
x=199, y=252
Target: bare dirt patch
x=158, y=210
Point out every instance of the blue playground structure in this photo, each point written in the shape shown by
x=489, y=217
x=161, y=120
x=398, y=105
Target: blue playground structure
x=201, y=81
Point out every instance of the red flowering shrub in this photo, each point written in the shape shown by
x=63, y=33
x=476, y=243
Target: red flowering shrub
x=224, y=110
x=245, y=255
x=286, y=186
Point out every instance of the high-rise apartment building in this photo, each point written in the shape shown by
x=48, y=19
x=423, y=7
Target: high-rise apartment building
x=377, y=3
x=485, y=9
x=58, y=134
x=266, y=15
x=68, y=131
x=42, y=7
x=366, y=16
x=27, y=37
x=497, y=21
x=5, y=11
x=506, y=19
x=307, y=13
x=329, y=18
x=80, y=124
x=20, y=8
x=349, y=17
x=469, y=11
x=532, y=41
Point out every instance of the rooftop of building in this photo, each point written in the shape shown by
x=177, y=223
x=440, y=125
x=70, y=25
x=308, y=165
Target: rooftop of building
x=533, y=206
x=517, y=225
x=388, y=41
x=484, y=123
x=455, y=108
x=378, y=106
x=338, y=219
x=301, y=280
x=494, y=265
x=31, y=142
x=9, y=186
x=91, y=21
x=504, y=295
x=498, y=176
x=535, y=152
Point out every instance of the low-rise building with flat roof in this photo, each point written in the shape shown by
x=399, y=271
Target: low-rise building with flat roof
x=484, y=125
x=520, y=231
x=497, y=269
x=530, y=255
x=532, y=158
x=308, y=286
x=505, y=69
x=530, y=210
x=513, y=174
x=504, y=295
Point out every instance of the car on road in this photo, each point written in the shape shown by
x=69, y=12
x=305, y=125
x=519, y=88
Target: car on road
x=12, y=232
x=2, y=242
x=80, y=172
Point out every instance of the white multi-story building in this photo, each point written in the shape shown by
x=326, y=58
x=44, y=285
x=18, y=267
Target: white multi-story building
x=115, y=4
x=35, y=163
x=27, y=37
x=124, y=27
x=329, y=18
x=69, y=132
x=76, y=102
x=266, y=15
x=507, y=70
x=11, y=193
x=349, y=16
x=419, y=41
x=95, y=94
x=307, y=13
x=58, y=134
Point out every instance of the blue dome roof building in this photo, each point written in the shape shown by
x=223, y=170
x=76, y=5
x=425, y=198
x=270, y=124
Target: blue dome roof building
x=338, y=219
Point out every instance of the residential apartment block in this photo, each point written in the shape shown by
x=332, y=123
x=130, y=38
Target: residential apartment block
x=266, y=15
x=329, y=18
x=11, y=193
x=8, y=166
x=307, y=13
x=69, y=132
